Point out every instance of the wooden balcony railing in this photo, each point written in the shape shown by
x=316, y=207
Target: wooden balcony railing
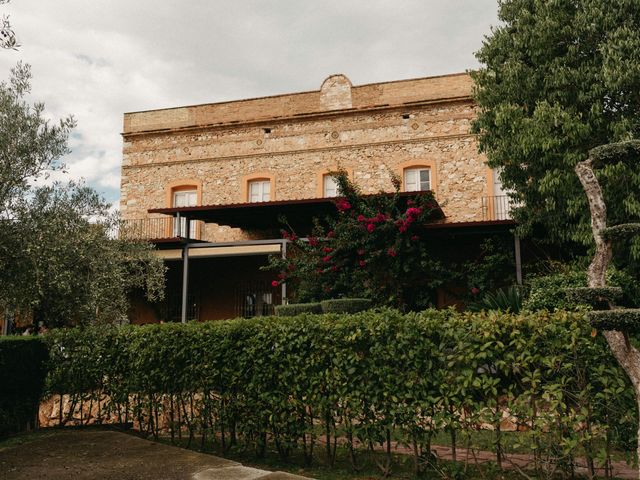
x=159, y=228
x=497, y=207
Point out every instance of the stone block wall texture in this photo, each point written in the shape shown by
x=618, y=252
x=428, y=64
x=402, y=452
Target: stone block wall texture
x=370, y=130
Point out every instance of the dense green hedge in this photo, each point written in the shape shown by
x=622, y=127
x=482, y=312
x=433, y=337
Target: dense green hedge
x=368, y=377
x=337, y=305
x=371, y=376
x=346, y=305
x=22, y=377
x=297, y=308
x=549, y=292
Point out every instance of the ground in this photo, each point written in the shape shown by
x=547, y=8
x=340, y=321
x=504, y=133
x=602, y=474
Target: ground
x=105, y=454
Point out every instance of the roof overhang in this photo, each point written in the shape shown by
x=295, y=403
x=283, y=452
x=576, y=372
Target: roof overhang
x=299, y=214
x=227, y=249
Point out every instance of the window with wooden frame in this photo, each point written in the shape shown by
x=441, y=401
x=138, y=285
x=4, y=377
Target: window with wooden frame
x=184, y=196
x=259, y=190
x=416, y=179
x=329, y=186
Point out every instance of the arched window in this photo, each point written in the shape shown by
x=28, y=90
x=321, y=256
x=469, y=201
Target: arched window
x=259, y=190
x=417, y=179
x=184, y=193
x=329, y=186
x=418, y=176
x=326, y=185
x=258, y=187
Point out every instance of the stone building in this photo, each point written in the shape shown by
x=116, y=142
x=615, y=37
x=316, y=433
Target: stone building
x=220, y=174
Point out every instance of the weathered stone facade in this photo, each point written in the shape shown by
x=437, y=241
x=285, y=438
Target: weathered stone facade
x=292, y=140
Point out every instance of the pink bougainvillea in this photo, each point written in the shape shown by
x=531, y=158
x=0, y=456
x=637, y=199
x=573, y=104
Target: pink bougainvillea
x=343, y=205
x=368, y=248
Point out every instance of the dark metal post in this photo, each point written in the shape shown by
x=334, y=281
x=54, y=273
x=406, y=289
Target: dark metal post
x=284, y=285
x=516, y=239
x=185, y=269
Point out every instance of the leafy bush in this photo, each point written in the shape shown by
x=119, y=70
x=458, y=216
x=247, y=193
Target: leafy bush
x=623, y=320
x=550, y=292
x=594, y=297
x=293, y=309
x=505, y=300
x=362, y=376
x=345, y=305
x=22, y=376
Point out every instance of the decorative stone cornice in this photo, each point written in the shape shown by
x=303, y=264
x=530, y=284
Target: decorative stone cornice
x=288, y=119
x=304, y=150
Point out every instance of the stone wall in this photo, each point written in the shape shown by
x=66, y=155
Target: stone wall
x=370, y=131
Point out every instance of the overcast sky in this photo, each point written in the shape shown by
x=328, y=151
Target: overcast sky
x=98, y=59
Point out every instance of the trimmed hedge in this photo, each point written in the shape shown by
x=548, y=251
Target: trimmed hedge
x=373, y=376
x=293, y=309
x=623, y=320
x=346, y=305
x=22, y=376
x=549, y=292
x=594, y=297
x=624, y=231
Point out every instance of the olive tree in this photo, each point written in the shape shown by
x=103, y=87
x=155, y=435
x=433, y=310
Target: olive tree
x=59, y=259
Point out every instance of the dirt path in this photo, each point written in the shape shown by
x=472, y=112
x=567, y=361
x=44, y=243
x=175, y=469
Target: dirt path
x=514, y=461
x=111, y=455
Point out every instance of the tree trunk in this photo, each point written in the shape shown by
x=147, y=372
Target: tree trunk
x=627, y=356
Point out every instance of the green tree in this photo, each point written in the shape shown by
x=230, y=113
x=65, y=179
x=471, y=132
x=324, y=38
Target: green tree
x=7, y=35
x=59, y=259
x=63, y=264
x=557, y=79
x=30, y=146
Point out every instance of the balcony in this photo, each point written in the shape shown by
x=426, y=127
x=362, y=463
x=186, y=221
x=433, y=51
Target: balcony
x=496, y=207
x=164, y=228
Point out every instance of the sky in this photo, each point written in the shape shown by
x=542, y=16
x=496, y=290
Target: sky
x=99, y=59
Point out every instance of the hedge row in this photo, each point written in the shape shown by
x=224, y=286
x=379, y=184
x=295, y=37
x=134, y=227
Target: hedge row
x=368, y=378
x=22, y=377
x=337, y=305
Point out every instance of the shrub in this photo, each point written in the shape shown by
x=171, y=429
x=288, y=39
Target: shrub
x=622, y=320
x=345, y=305
x=549, y=292
x=22, y=375
x=505, y=300
x=358, y=376
x=594, y=297
x=297, y=308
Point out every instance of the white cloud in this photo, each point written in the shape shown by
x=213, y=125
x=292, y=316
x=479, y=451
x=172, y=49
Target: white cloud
x=100, y=59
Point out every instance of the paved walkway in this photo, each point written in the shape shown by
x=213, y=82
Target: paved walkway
x=111, y=455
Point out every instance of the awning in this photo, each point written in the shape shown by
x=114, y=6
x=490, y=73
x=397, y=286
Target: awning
x=299, y=214
x=221, y=250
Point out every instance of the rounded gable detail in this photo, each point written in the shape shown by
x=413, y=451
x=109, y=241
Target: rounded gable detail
x=335, y=93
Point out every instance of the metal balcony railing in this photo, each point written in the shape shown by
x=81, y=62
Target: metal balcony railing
x=497, y=207
x=160, y=228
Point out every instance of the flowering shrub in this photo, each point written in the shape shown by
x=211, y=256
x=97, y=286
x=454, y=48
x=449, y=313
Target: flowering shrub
x=372, y=247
